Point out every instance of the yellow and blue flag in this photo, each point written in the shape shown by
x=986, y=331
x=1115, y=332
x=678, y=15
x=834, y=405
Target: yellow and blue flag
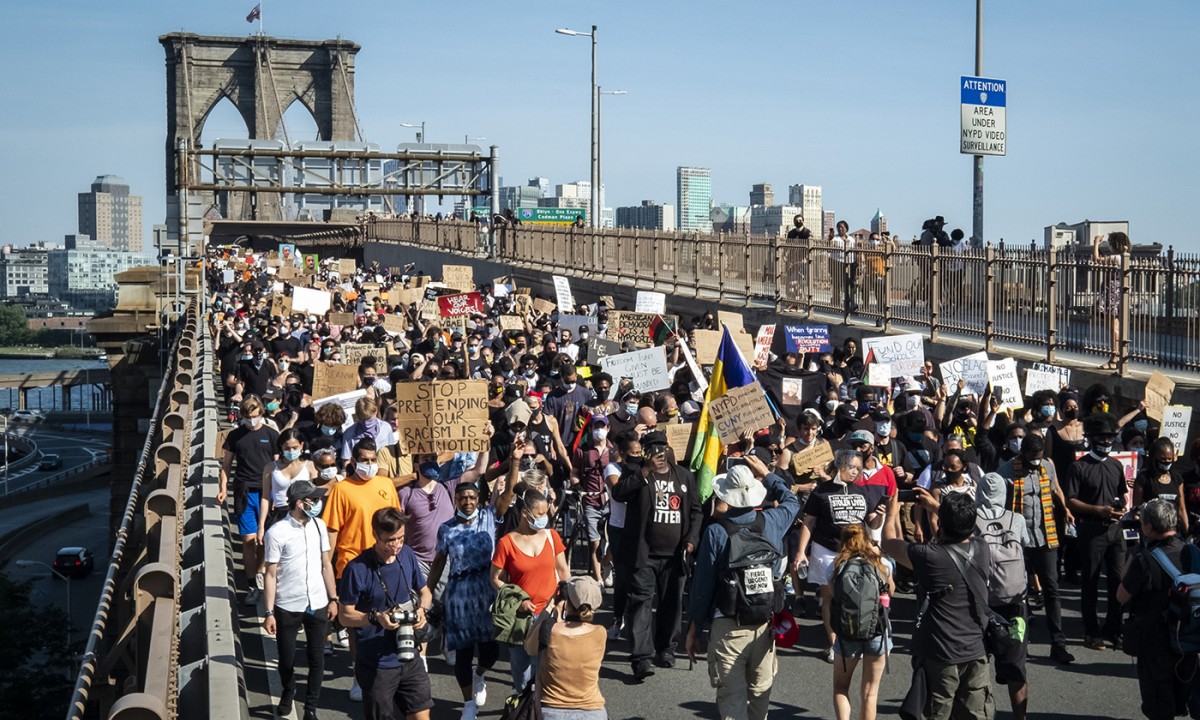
x=729, y=371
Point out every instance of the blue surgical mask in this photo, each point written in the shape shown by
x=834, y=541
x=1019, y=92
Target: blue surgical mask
x=430, y=470
x=468, y=518
x=1048, y=411
x=631, y=408
x=1141, y=425
x=273, y=406
x=315, y=510
x=883, y=429
x=328, y=431
x=539, y=523
x=291, y=455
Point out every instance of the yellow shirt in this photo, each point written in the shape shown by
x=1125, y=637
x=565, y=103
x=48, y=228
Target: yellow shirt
x=348, y=510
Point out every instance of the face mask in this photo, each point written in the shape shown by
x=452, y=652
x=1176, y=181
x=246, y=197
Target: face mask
x=952, y=475
x=253, y=422
x=601, y=434
x=328, y=431
x=1071, y=413
x=258, y=361
x=539, y=523
x=865, y=406
x=1047, y=411
x=530, y=372
x=1163, y=467
x=1102, y=449
x=283, y=365
x=328, y=473
x=463, y=516
x=1141, y=425
x=273, y=406
x=631, y=408
x=916, y=437
x=290, y=455
x=315, y=510
x=474, y=349
x=1036, y=462
x=1102, y=407
x=831, y=405
x=1014, y=445
x=430, y=470
x=883, y=429
x=366, y=470
x=326, y=350
x=571, y=386
x=910, y=402
x=247, y=357
x=368, y=381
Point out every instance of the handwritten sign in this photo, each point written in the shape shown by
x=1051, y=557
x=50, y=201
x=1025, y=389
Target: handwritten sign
x=651, y=302
x=599, y=349
x=740, y=410
x=333, y=379
x=807, y=338
x=905, y=353
x=1063, y=373
x=562, y=289
x=813, y=458
x=1158, y=394
x=1175, y=422
x=445, y=416
x=971, y=369
x=310, y=301
x=395, y=324
x=633, y=327
x=461, y=304
x=544, y=307
x=458, y=277
x=762, y=344
x=511, y=322
x=346, y=267
x=1039, y=380
x=679, y=437
x=708, y=343
x=1002, y=376
x=646, y=368
x=879, y=375
x=341, y=319
x=353, y=353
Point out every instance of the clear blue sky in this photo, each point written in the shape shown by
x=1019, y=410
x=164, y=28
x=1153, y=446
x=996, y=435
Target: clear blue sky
x=858, y=97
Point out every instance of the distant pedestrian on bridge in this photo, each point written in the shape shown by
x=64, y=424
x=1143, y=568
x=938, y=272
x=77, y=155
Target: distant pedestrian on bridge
x=1109, y=302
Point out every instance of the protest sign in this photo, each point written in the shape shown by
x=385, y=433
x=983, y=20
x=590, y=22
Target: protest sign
x=651, y=302
x=1063, y=373
x=545, y=307
x=408, y=296
x=733, y=320
x=458, y=277
x=740, y=410
x=502, y=286
x=430, y=312
x=310, y=301
x=574, y=323
x=813, y=458
x=444, y=416
x=344, y=400
x=1158, y=394
x=461, y=304
x=708, y=342
x=333, y=379
x=281, y=305
x=697, y=374
x=287, y=253
x=971, y=369
x=1002, y=376
x=342, y=319
x=1175, y=422
x=633, y=327
x=522, y=304
x=879, y=375
x=353, y=353
x=679, y=437
x=807, y=338
x=511, y=322
x=762, y=344
x=288, y=272
x=1039, y=380
x=562, y=289
x=227, y=276
x=646, y=368
x=599, y=349
x=905, y=353
x=395, y=323
x=346, y=267
x=608, y=302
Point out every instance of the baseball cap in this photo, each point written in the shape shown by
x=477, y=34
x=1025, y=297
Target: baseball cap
x=518, y=412
x=303, y=490
x=583, y=590
x=860, y=436
x=599, y=420
x=654, y=439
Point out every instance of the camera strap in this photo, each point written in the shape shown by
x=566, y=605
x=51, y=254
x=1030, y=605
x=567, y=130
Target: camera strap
x=387, y=594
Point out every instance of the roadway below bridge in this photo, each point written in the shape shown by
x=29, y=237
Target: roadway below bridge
x=74, y=449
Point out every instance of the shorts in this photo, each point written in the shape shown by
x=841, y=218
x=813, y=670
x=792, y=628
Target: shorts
x=245, y=509
x=820, y=565
x=595, y=517
x=855, y=649
x=550, y=713
x=1010, y=668
x=394, y=691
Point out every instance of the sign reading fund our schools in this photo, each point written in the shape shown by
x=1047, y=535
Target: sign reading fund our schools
x=983, y=119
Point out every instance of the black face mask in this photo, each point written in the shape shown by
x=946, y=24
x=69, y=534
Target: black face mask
x=1070, y=413
x=952, y=475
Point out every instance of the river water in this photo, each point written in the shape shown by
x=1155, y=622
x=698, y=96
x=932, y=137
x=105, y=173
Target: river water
x=50, y=398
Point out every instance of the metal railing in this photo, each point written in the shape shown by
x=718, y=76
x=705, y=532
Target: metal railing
x=1052, y=300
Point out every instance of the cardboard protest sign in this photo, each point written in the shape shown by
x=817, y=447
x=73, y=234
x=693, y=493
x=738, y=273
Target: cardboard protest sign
x=608, y=302
x=511, y=322
x=342, y=319
x=816, y=456
x=745, y=343
x=971, y=369
x=353, y=353
x=1002, y=376
x=1159, y=389
x=346, y=267
x=345, y=400
x=633, y=327
x=521, y=304
x=576, y=322
x=545, y=307
x=762, y=344
x=458, y=277
x=395, y=323
x=1063, y=373
x=310, y=301
x=562, y=289
x=461, y=304
x=708, y=342
x=408, y=296
x=599, y=349
x=288, y=272
x=740, y=410
x=679, y=437
x=879, y=375
x=807, y=338
x=646, y=368
x=905, y=353
x=429, y=311
x=733, y=320
x=649, y=301
x=444, y=416
x=1039, y=380
x=333, y=379
x=1175, y=422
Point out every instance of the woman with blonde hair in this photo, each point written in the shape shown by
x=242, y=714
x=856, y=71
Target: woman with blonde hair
x=857, y=549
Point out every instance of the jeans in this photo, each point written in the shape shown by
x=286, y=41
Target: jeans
x=1043, y=562
x=1100, y=547
x=316, y=625
x=621, y=573
x=661, y=578
x=522, y=666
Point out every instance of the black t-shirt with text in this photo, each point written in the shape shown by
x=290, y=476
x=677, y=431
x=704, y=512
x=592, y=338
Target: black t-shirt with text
x=836, y=505
x=666, y=517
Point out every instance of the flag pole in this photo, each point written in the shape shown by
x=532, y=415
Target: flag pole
x=261, y=32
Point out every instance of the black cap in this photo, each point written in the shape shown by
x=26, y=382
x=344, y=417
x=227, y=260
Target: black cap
x=1100, y=424
x=652, y=439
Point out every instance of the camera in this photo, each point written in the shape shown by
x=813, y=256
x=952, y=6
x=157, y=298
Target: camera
x=406, y=636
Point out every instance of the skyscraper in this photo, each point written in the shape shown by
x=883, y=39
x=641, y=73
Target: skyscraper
x=693, y=199
x=808, y=199
x=879, y=222
x=761, y=194
x=110, y=215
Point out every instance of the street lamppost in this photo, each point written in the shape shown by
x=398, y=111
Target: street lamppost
x=67, y=580
x=5, y=453
x=419, y=201
x=599, y=174
x=420, y=135
x=467, y=139
x=595, y=202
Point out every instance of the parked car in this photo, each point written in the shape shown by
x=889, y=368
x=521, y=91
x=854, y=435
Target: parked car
x=74, y=561
x=50, y=461
x=27, y=416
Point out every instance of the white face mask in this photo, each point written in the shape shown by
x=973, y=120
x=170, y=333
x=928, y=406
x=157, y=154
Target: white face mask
x=328, y=473
x=366, y=470
x=601, y=434
x=253, y=423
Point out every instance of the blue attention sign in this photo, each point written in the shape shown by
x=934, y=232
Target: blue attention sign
x=983, y=91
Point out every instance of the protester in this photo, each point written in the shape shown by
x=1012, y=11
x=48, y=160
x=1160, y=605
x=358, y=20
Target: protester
x=570, y=649
x=859, y=552
x=250, y=447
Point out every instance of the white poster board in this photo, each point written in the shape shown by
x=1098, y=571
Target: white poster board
x=905, y=353
x=1039, y=380
x=762, y=344
x=651, y=302
x=562, y=288
x=1063, y=373
x=879, y=375
x=310, y=301
x=346, y=401
x=646, y=368
x=1175, y=423
x=971, y=369
x=1002, y=375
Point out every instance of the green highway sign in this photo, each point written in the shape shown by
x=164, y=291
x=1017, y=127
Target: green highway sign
x=562, y=216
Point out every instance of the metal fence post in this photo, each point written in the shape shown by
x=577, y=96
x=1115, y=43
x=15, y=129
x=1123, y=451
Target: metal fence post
x=720, y=269
x=637, y=253
x=935, y=292
x=777, y=253
x=808, y=277
x=989, y=299
x=1123, y=342
x=747, y=282
x=887, y=285
x=1051, y=303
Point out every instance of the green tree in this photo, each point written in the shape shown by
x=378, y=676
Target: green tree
x=14, y=326
x=36, y=669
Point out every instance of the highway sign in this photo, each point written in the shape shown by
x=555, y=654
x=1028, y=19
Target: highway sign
x=983, y=116
x=560, y=216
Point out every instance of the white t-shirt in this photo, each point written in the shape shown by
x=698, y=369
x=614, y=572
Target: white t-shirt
x=297, y=549
x=616, y=508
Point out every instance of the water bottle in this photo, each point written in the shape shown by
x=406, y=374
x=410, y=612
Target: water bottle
x=1071, y=531
x=802, y=571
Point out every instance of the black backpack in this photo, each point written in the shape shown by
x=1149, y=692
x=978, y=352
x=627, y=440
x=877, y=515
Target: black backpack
x=856, y=612
x=746, y=587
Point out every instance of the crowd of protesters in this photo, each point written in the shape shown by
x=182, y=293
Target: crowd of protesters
x=979, y=511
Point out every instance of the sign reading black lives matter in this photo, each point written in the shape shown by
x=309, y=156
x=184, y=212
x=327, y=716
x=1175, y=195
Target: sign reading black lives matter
x=444, y=416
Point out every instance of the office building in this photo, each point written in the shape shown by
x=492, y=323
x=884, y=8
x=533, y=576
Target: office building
x=1080, y=234
x=879, y=222
x=542, y=184
x=730, y=219
x=828, y=222
x=693, y=197
x=84, y=276
x=773, y=220
x=808, y=199
x=24, y=271
x=647, y=216
x=761, y=194
x=110, y=215
x=515, y=197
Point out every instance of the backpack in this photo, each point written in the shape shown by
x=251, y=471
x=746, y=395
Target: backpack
x=746, y=587
x=856, y=612
x=1183, y=614
x=1007, y=581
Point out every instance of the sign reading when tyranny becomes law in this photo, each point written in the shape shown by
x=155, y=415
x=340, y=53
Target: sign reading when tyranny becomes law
x=983, y=116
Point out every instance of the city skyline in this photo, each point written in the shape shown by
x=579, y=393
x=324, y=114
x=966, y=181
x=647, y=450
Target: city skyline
x=1098, y=128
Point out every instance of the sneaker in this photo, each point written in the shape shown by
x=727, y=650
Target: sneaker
x=614, y=632
x=642, y=669
x=1113, y=641
x=328, y=649
x=355, y=692
x=310, y=713
x=664, y=659
x=479, y=690
x=252, y=596
x=608, y=578
x=470, y=710
x=342, y=638
x=1059, y=653
x=829, y=656
x=1093, y=643
x=788, y=585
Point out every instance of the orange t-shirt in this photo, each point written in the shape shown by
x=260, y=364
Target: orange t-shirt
x=535, y=575
x=348, y=510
